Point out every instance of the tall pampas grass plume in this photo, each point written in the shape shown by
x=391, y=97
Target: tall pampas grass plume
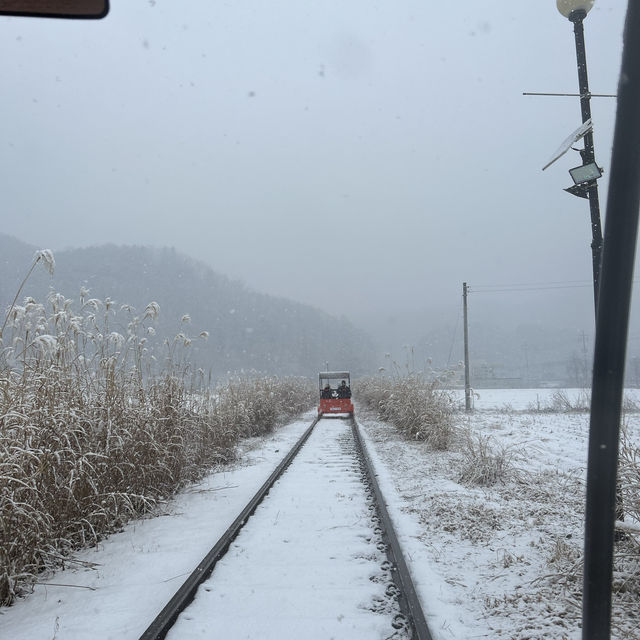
x=46, y=257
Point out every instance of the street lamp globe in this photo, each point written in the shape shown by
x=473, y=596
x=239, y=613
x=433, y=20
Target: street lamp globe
x=567, y=7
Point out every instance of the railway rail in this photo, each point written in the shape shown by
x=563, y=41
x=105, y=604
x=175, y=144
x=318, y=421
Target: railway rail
x=326, y=479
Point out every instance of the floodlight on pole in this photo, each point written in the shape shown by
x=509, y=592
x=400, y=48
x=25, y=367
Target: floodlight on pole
x=585, y=173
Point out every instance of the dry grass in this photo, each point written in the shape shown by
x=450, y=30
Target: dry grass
x=626, y=576
x=96, y=426
x=484, y=463
x=629, y=476
x=566, y=561
x=414, y=406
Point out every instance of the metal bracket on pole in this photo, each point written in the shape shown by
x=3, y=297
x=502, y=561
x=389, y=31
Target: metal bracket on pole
x=580, y=190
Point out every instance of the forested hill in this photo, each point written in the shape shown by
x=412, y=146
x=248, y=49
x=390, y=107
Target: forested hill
x=247, y=330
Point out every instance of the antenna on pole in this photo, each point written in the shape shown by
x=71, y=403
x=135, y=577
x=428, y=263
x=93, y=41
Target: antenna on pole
x=573, y=95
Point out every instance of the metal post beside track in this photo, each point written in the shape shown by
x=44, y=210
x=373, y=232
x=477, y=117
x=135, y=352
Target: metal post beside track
x=612, y=326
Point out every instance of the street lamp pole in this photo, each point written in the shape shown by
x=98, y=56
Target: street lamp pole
x=588, y=153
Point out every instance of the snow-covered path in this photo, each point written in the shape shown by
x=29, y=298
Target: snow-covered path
x=307, y=563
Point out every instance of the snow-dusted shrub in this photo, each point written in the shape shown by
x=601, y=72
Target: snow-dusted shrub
x=96, y=426
x=414, y=405
x=561, y=402
x=629, y=477
x=484, y=463
x=564, y=555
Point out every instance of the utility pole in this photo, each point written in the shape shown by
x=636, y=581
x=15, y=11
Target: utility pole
x=585, y=362
x=467, y=384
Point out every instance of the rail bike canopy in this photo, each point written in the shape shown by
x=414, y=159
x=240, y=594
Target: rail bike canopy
x=334, y=398
x=333, y=377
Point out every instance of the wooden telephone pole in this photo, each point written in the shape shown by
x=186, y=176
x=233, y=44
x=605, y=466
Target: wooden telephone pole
x=467, y=383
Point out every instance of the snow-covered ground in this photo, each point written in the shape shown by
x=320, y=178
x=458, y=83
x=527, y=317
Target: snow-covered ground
x=488, y=562
x=307, y=563
x=499, y=561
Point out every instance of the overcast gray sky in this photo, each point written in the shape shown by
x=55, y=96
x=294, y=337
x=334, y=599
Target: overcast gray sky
x=293, y=144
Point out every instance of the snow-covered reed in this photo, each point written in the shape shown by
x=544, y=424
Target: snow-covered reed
x=414, y=405
x=96, y=426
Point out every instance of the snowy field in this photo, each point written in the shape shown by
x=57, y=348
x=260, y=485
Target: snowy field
x=497, y=561
x=500, y=561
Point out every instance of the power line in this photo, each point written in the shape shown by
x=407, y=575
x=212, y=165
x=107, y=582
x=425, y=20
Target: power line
x=548, y=287
x=531, y=286
x=568, y=286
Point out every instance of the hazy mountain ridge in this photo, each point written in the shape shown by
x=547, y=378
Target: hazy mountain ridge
x=247, y=330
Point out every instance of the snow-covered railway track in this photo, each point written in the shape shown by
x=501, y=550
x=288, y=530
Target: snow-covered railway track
x=319, y=558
